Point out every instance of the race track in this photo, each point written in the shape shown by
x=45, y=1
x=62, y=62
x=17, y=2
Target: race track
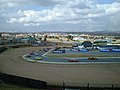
x=96, y=74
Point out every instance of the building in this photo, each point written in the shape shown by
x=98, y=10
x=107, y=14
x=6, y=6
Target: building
x=59, y=50
x=78, y=38
x=109, y=48
x=29, y=39
x=103, y=42
x=87, y=44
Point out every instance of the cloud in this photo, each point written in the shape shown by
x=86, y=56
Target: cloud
x=60, y=12
x=24, y=3
x=115, y=20
x=80, y=14
x=76, y=9
x=118, y=0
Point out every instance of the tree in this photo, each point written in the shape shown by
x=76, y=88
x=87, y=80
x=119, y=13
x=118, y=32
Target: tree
x=45, y=38
x=70, y=37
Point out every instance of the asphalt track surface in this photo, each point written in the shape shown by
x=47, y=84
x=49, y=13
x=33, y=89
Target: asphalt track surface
x=83, y=60
x=54, y=74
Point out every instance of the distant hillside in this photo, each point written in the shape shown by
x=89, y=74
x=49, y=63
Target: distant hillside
x=98, y=33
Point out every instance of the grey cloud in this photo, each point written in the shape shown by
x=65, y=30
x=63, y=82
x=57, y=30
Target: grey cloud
x=63, y=15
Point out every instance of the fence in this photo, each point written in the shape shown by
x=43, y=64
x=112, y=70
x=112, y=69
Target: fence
x=37, y=84
x=22, y=81
x=82, y=86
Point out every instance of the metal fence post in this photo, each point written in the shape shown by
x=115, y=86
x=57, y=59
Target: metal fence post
x=63, y=85
x=88, y=86
x=112, y=87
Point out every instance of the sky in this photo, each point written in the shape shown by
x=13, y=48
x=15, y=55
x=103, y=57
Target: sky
x=59, y=15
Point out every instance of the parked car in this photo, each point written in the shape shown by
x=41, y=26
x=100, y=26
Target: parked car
x=31, y=53
x=38, y=58
x=28, y=55
x=36, y=54
x=92, y=58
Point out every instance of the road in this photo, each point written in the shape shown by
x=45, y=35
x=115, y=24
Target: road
x=63, y=60
x=76, y=75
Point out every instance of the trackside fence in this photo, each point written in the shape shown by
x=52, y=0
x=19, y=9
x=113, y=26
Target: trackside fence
x=22, y=81
x=41, y=85
x=83, y=86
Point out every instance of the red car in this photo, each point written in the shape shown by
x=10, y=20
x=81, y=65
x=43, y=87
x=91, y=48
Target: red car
x=92, y=58
x=73, y=60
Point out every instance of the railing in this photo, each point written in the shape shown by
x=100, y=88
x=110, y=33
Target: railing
x=37, y=84
x=82, y=86
x=22, y=81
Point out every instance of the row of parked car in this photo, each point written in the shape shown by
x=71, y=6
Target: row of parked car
x=37, y=54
